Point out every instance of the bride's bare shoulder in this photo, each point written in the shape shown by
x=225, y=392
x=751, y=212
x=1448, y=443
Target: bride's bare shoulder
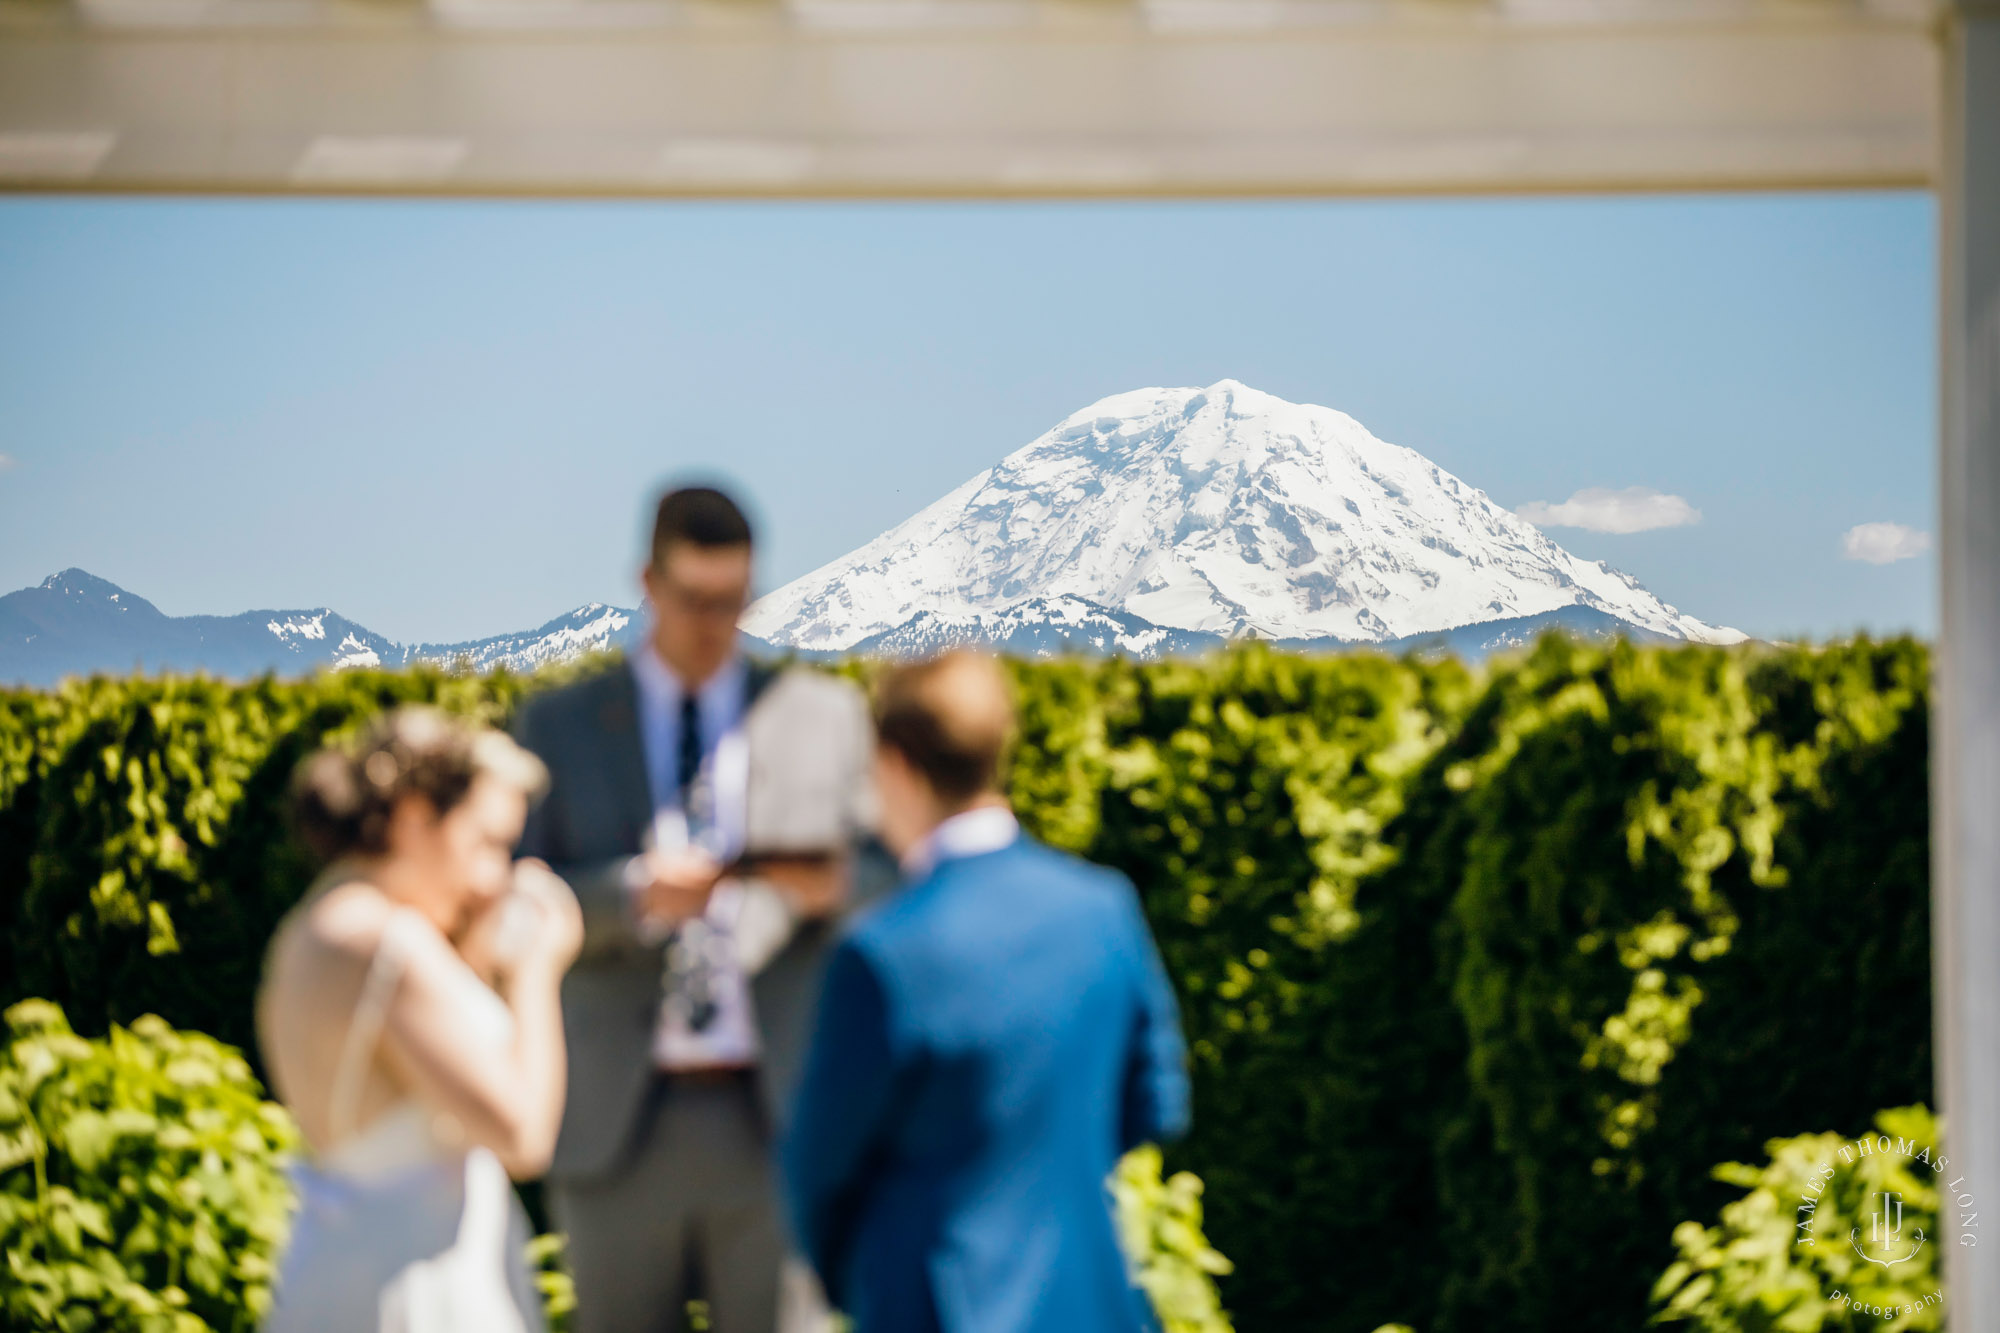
x=343, y=924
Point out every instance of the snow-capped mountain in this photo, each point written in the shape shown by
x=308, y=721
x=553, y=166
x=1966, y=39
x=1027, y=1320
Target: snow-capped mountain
x=75, y=623
x=1161, y=520
x=591, y=628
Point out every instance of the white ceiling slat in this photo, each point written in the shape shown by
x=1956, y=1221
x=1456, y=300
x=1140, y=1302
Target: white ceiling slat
x=955, y=97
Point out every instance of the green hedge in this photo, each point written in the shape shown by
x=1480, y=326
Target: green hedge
x=1481, y=973
x=144, y=853
x=1482, y=977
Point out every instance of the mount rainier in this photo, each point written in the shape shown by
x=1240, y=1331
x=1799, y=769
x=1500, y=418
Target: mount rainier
x=1167, y=520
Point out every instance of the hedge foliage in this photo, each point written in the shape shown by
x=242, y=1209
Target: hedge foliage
x=1482, y=973
x=1483, y=976
x=144, y=853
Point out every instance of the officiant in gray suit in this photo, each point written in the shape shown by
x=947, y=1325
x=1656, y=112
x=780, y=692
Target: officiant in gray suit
x=712, y=816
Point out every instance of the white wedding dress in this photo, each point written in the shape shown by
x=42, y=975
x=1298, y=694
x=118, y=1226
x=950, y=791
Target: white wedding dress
x=398, y=1230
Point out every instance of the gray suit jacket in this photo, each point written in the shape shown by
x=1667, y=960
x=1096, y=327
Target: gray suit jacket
x=810, y=746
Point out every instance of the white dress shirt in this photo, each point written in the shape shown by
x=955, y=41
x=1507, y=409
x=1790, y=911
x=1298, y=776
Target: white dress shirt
x=720, y=704
x=974, y=832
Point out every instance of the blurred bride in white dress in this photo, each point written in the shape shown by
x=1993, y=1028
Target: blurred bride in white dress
x=410, y=1019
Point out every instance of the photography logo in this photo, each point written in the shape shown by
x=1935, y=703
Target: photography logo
x=1885, y=1228
x=1877, y=1228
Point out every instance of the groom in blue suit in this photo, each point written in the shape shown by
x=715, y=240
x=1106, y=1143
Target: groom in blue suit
x=990, y=1039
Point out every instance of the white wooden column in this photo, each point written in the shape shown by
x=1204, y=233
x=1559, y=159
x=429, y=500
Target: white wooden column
x=1966, y=771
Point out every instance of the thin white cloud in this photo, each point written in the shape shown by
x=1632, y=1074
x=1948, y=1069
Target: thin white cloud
x=1599, y=509
x=1884, y=543
x=5, y=462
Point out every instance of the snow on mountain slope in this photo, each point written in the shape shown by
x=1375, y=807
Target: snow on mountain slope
x=309, y=636
x=591, y=628
x=1038, y=627
x=1219, y=512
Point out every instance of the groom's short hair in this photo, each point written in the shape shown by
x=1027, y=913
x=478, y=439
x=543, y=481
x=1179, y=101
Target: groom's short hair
x=698, y=516
x=951, y=717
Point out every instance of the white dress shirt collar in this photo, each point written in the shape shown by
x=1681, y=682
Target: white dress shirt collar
x=722, y=703
x=974, y=832
x=720, y=697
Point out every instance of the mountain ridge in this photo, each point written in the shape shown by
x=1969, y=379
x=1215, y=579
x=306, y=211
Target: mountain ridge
x=300, y=641
x=75, y=623
x=1153, y=523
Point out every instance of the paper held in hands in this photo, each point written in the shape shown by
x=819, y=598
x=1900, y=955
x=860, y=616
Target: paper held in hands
x=672, y=831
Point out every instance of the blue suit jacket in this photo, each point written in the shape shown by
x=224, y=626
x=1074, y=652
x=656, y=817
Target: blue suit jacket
x=990, y=1040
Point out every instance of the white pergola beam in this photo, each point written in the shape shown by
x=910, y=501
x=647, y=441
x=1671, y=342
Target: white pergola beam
x=965, y=97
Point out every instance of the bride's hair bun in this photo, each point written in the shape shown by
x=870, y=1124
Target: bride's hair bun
x=343, y=796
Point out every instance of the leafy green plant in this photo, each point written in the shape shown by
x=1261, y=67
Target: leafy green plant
x=141, y=1185
x=547, y=1260
x=1781, y=1257
x=1159, y=1224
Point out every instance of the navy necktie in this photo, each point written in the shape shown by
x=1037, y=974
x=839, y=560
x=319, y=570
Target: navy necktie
x=688, y=761
x=690, y=970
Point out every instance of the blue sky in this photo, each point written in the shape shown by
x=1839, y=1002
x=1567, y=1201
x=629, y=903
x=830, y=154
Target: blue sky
x=446, y=419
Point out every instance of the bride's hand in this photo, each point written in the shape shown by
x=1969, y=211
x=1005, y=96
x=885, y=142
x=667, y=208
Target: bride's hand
x=545, y=922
